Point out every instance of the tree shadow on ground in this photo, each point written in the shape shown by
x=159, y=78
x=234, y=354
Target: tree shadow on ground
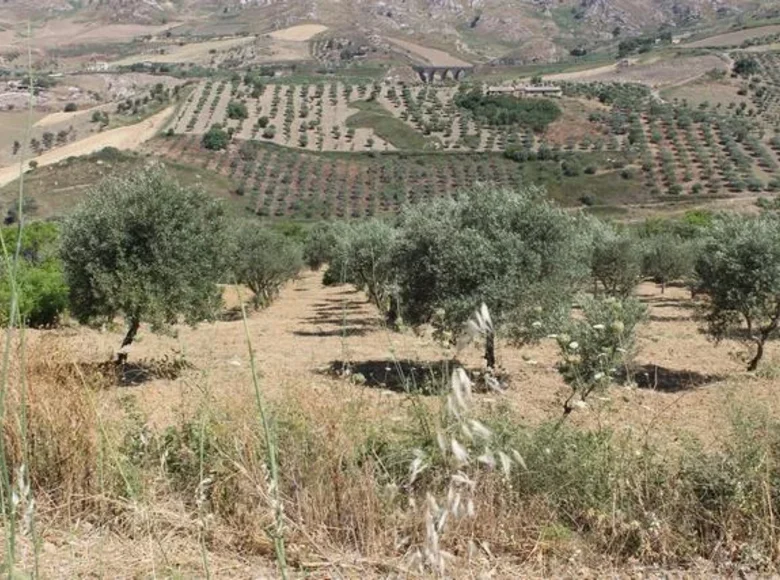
x=345, y=331
x=666, y=380
x=231, y=314
x=134, y=373
x=401, y=376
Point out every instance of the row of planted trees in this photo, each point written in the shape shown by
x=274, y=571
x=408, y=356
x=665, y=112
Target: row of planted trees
x=147, y=249
x=532, y=265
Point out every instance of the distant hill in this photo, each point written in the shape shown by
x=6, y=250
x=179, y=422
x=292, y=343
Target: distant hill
x=540, y=29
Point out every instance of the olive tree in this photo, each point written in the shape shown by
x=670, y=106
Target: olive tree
x=668, y=257
x=511, y=250
x=363, y=256
x=739, y=271
x=615, y=261
x=264, y=260
x=321, y=240
x=144, y=247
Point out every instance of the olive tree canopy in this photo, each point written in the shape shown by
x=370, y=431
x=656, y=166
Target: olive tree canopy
x=739, y=270
x=511, y=250
x=144, y=247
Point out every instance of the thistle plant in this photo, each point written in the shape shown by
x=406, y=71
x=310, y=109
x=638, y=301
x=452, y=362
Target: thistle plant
x=594, y=347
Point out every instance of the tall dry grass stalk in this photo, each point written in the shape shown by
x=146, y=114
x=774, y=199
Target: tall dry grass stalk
x=277, y=532
x=9, y=499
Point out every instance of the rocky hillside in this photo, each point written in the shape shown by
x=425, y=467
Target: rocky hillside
x=540, y=29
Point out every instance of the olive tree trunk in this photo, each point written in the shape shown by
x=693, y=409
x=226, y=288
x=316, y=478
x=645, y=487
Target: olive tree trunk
x=135, y=323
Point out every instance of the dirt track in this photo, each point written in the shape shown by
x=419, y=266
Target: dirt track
x=128, y=137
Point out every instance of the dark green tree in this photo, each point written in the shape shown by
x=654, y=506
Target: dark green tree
x=264, y=260
x=144, y=247
x=510, y=250
x=739, y=270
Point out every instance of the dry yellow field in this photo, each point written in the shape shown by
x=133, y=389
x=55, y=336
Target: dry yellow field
x=299, y=33
x=735, y=38
x=194, y=52
x=428, y=55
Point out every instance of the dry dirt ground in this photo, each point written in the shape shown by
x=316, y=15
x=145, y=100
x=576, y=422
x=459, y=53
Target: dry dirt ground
x=300, y=33
x=60, y=32
x=689, y=388
x=659, y=73
x=128, y=137
x=196, y=52
x=428, y=55
x=688, y=385
x=735, y=38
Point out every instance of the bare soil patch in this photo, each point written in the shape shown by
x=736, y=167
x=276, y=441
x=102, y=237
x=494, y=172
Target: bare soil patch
x=657, y=74
x=128, y=137
x=193, y=52
x=299, y=33
x=428, y=55
x=735, y=38
x=689, y=387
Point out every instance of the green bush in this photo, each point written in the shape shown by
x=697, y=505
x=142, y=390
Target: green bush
x=536, y=114
x=739, y=270
x=237, y=110
x=596, y=345
x=616, y=260
x=216, y=138
x=41, y=289
x=668, y=257
x=511, y=250
x=147, y=248
x=321, y=241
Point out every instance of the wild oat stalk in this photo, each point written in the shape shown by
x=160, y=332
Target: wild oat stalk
x=467, y=446
x=8, y=503
x=277, y=533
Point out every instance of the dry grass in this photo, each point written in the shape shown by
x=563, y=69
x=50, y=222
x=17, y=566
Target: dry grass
x=734, y=38
x=192, y=52
x=299, y=33
x=426, y=55
x=346, y=445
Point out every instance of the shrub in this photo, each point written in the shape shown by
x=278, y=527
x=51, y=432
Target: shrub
x=147, y=248
x=512, y=251
x=739, y=270
x=320, y=243
x=70, y=107
x=216, y=138
x=363, y=256
x=594, y=346
x=746, y=66
x=41, y=289
x=534, y=113
x=237, y=110
x=571, y=167
x=264, y=260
